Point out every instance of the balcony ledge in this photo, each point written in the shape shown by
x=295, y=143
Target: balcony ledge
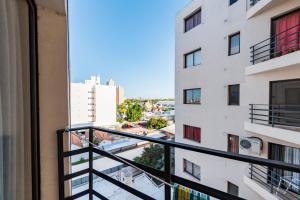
x=259, y=189
x=262, y=6
x=291, y=136
x=286, y=61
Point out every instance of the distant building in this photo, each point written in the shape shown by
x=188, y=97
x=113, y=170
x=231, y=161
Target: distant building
x=120, y=95
x=92, y=102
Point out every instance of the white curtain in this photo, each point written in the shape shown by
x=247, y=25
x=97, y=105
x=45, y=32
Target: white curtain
x=14, y=160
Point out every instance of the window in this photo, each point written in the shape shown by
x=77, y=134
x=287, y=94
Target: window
x=193, y=59
x=193, y=20
x=232, y=2
x=192, y=96
x=192, y=133
x=233, y=143
x=232, y=189
x=234, y=95
x=191, y=168
x=234, y=44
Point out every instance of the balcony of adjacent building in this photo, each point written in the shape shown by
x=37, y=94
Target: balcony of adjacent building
x=281, y=118
x=256, y=7
x=273, y=184
x=281, y=49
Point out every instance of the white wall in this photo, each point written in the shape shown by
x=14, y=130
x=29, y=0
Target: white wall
x=217, y=71
x=79, y=103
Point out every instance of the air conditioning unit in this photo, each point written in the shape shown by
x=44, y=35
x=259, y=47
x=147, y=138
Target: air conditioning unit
x=253, y=144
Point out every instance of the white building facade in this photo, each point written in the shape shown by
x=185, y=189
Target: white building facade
x=92, y=102
x=219, y=75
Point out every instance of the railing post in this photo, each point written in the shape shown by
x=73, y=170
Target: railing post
x=61, y=172
x=167, y=160
x=251, y=171
x=90, y=164
x=272, y=115
x=251, y=105
x=253, y=60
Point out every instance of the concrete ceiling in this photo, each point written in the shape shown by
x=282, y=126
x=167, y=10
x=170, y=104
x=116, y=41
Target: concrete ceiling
x=57, y=5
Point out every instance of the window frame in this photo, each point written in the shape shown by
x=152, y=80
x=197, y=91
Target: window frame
x=193, y=53
x=184, y=96
x=230, y=2
x=230, y=103
x=229, y=147
x=234, y=185
x=185, y=161
x=191, y=15
x=191, y=139
x=229, y=43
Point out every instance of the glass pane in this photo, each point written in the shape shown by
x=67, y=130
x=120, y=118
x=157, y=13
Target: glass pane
x=189, y=62
x=197, y=171
x=235, y=44
x=234, y=95
x=197, y=18
x=189, y=24
x=196, y=96
x=189, y=96
x=189, y=167
x=197, y=58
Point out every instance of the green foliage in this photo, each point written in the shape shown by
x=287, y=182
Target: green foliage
x=120, y=120
x=82, y=160
x=152, y=156
x=134, y=112
x=157, y=123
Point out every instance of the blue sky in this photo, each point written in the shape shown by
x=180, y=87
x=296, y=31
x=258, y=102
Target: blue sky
x=129, y=41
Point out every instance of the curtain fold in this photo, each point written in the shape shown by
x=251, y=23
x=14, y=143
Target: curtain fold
x=13, y=153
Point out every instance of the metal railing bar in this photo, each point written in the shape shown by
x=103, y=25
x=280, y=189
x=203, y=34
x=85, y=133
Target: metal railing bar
x=274, y=123
x=204, y=189
x=276, y=41
x=151, y=170
x=75, y=174
x=100, y=196
x=278, y=117
x=208, y=151
x=123, y=186
x=76, y=152
x=160, y=174
x=269, y=177
x=275, y=53
x=273, y=105
x=76, y=196
x=275, y=35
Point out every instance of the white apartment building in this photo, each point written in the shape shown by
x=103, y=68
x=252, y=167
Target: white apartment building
x=238, y=90
x=92, y=102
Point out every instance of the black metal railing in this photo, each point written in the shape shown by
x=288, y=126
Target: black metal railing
x=163, y=175
x=275, y=115
x=277, y=45
x=283, y=187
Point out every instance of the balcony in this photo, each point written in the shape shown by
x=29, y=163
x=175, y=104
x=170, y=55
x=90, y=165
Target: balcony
x=273, y=184
x=256, y=7
x=281, y=122
x=165, y=176
x=277, y=52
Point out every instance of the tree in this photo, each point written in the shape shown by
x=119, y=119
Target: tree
x=157, y=123
x=152, y=156
x=134, y=112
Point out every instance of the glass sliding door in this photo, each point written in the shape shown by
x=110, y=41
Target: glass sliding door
x=285, y=102
x=289, y=155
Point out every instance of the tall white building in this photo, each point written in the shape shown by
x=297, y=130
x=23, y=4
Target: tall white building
x=231, y=54
x=92, y=102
